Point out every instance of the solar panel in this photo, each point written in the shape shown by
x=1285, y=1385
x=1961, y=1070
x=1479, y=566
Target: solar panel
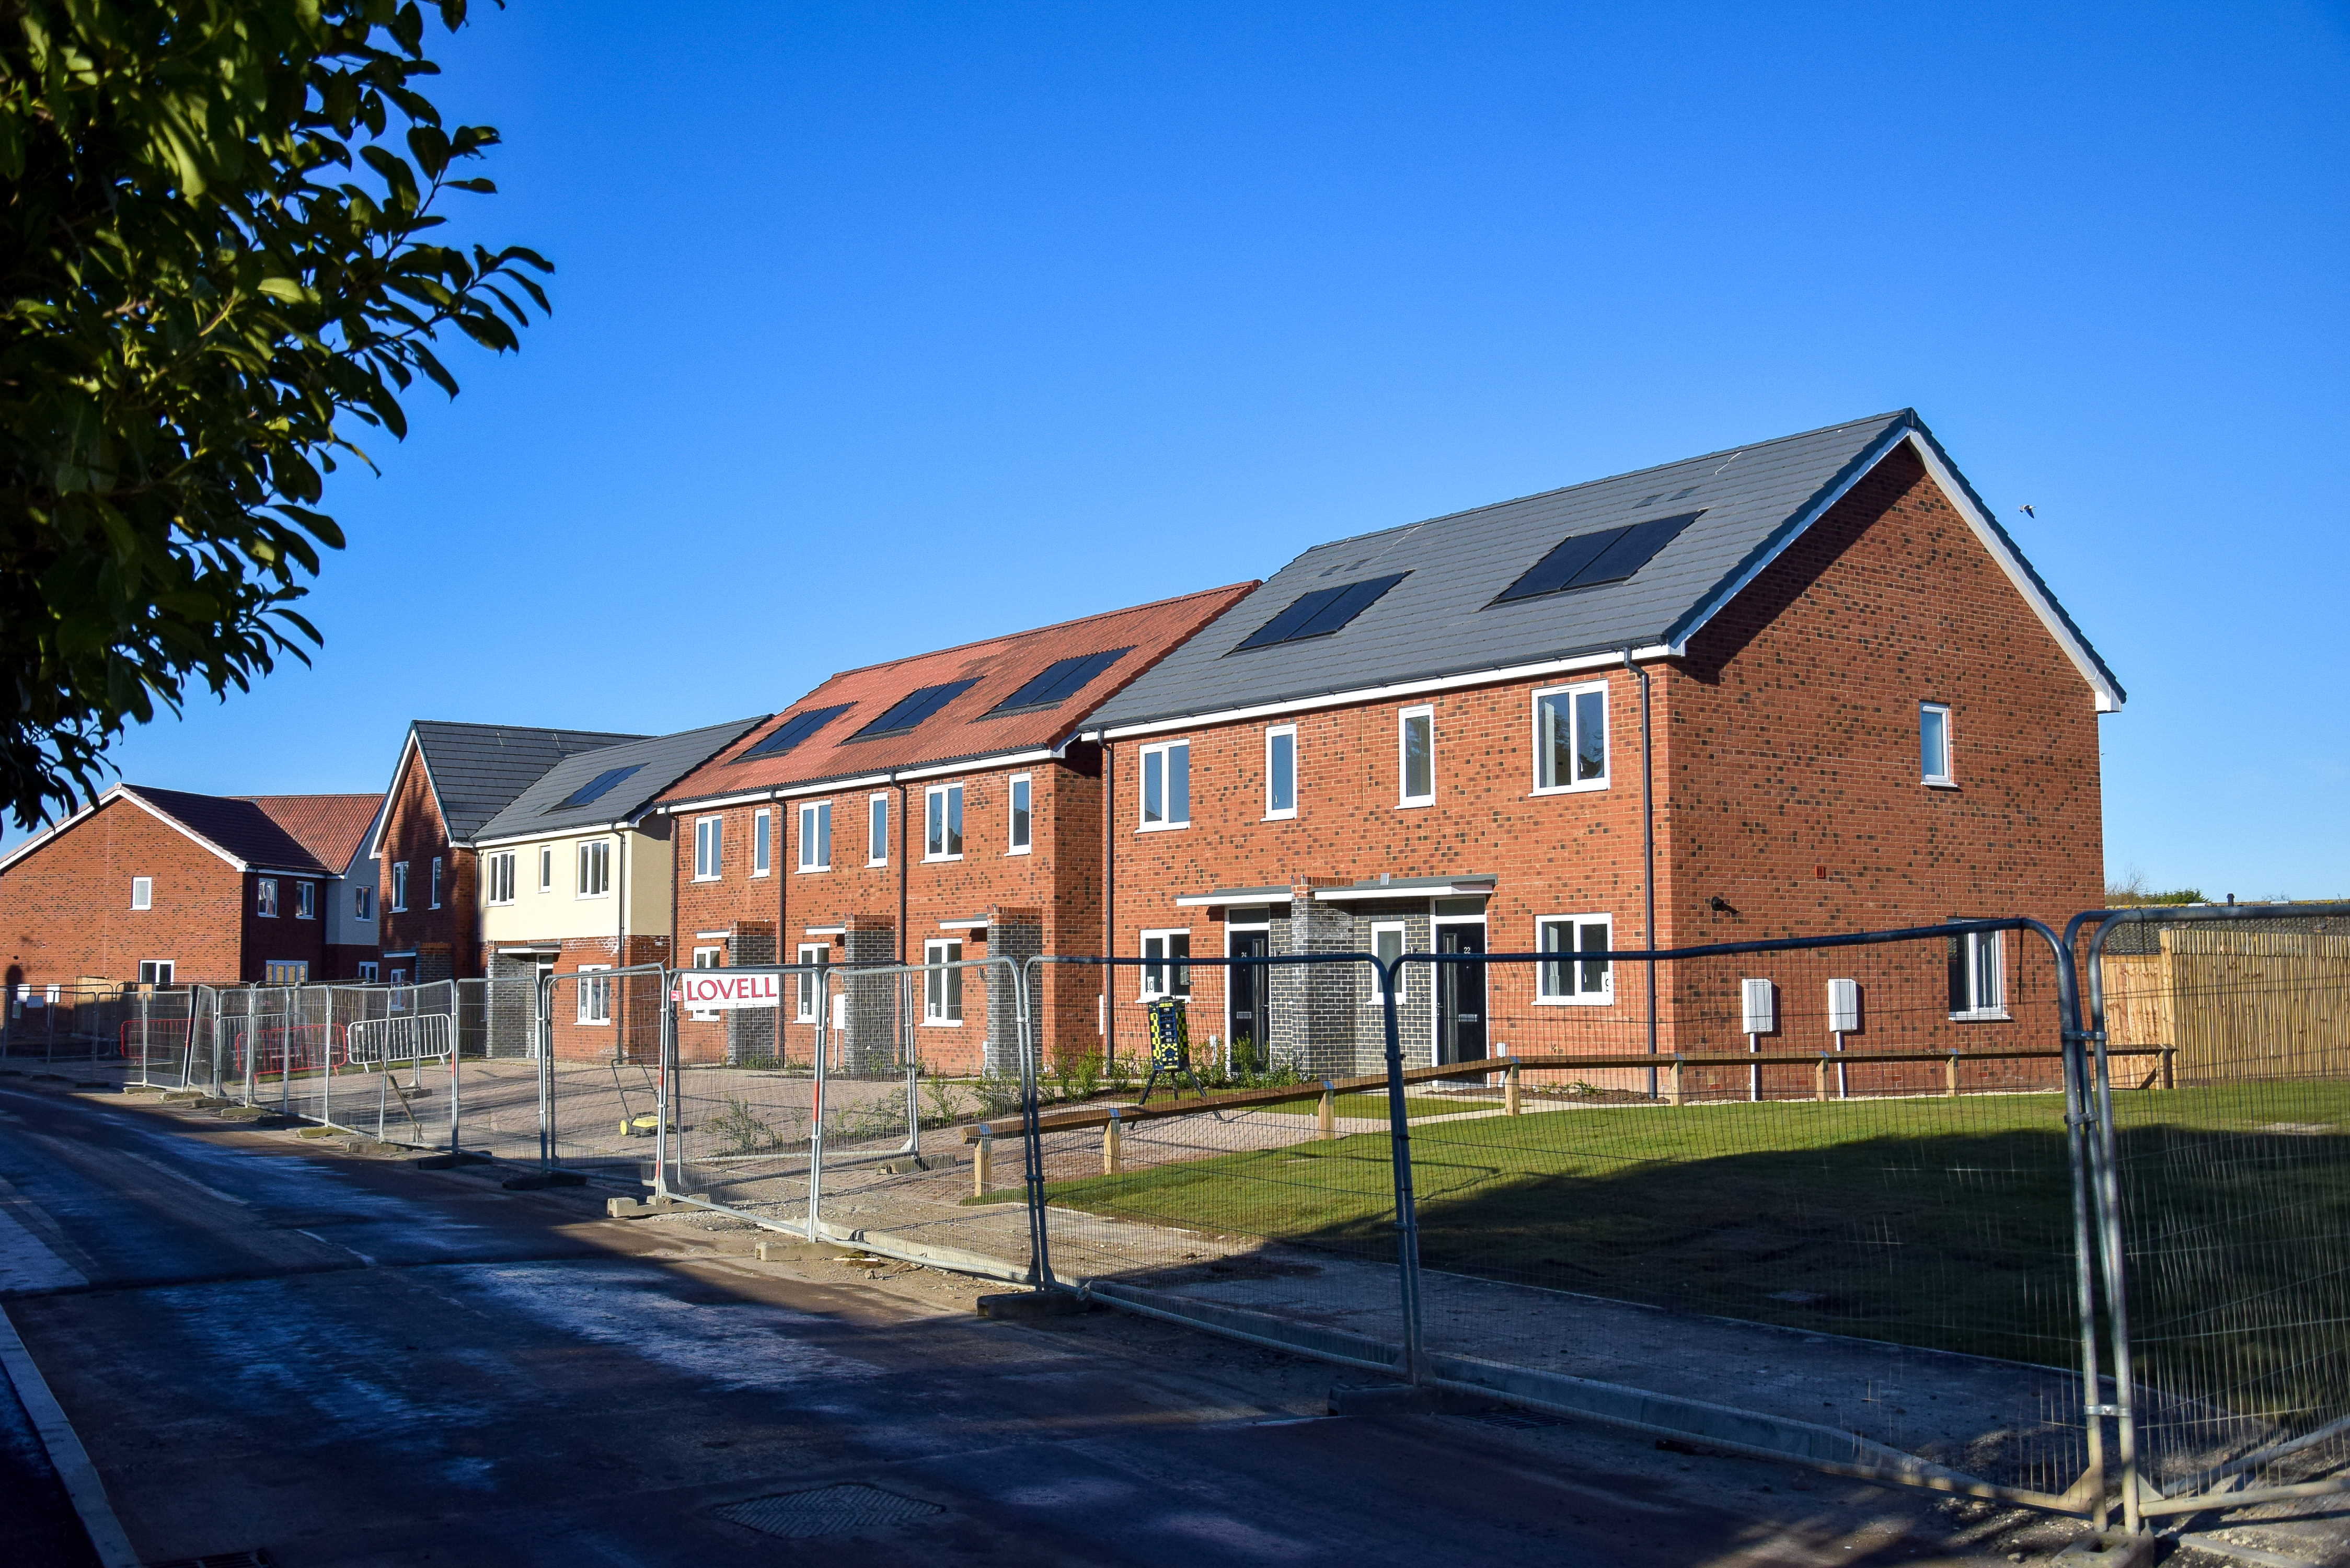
x=1587, y=560
x=1321, y=612
x=794, y=730
x=595, y=789
x=912, y=709
x=1061, y=680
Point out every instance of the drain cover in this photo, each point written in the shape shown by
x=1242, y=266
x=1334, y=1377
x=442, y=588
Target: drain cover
x=826, y=1511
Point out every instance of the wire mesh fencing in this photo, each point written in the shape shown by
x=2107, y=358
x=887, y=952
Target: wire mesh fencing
x=2224, y=1083
x=74, y=1030
x=582, y=1089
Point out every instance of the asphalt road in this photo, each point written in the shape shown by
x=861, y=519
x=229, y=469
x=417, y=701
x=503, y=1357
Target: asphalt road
x=342, y=1360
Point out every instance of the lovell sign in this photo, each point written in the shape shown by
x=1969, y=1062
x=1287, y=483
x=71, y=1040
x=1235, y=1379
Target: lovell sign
x=714, y=989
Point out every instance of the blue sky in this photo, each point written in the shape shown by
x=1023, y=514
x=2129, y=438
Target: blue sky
x=883, y=328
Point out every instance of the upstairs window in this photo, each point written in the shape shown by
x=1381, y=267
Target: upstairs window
x=305, y=900
x=265, y=897
x=1166, y=786
x=943, y=813
x=400, y=887
x=876, y=830
x=763, y=828
x=362, y=903
x=1571, y=738
x=436, y=881
x=142, y=892
x=815, y=837
x=595, y=869
x=708, y=832
x=498, y=877
x=1280, y=772
x=1021, y=815
x=1415, y=757
x=1934, y=743
x=545, y=867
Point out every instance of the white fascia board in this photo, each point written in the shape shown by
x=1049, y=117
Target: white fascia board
x=866, y=781
x=583, y=830
x=1612, y=658
x=50, y=834
x=715, y=803
x=383, y=819
x=823, y=930
x=980, y=764
x=185, y=831
x=1234, y=896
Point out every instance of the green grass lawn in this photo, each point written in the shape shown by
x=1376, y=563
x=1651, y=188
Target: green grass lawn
x=1926, y=1221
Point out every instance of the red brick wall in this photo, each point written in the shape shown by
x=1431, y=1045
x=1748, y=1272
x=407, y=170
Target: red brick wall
x=413, y=832
x=65, y=909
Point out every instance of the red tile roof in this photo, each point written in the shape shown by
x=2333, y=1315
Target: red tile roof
x=328, y=825
x=966, y=726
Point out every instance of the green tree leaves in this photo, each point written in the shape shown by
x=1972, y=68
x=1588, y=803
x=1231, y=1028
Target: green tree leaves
x=214, y=254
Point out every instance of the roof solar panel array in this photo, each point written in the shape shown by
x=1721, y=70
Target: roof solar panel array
x=1061, y=680
x=794, y=730
x=1321, y=612
x=597, y=787
x=915, y=706
x=1606, y=556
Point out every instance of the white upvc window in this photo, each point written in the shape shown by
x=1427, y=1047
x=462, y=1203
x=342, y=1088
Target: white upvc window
x=1571, y=738
x=305, y=900
x=1022, y=815
x=1580, y=981
x=1386, y=946
x=1167, y=973
x=436, y=881
x=368, y=972
x=1934, y=744
x=815, y=835
x=498, y=877
x=705, y=958
x=811, y=987
x=1166, y=783
x=1280, y=773
x=595, y=870
x=709, y=842
x=142, y=892
x=876, y=829
x=547, y=867
x=1415, y=757
x=155, y=971
x=400, y=887
x=1979, y=977
x=942, y=988
x=942, y=819
x=594, y=994
x=763, y=831
x=362, y=902
x=265, y=898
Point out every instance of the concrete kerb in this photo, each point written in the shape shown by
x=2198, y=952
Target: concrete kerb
x=67, y=1455
x=879, y=1242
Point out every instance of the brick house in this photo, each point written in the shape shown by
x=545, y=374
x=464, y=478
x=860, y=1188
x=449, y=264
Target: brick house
x=450, y=781
x=1817, y=670
x=575, y=877
x=164, y=888
x=931, y=809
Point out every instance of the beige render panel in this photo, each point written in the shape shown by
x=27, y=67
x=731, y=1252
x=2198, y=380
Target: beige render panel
x=640, y=874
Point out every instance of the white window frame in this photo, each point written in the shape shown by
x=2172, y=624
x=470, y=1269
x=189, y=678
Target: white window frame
x=400, y=887
x=877, y=828
x=1168, y=974
x=1019, y=814
x=156, y=973
x=1404, y=716
x=1568, y=695
x=436, y=882
x=1273, y=810
x=368, y=972
x=709, y=849
x=142, y=892
x=815, y=835
x=547, y=867
x=305, y=900
x=943, y=813
x=763, y=830
x=265, y=898
x=1159, y=761
x=942, y=988
x=810, y=989
x=1948, y=777
x=705, y=958
x=1402, y=931
x=362, y=902
x=1986, y=1004
x=593, y=866
x=1574, y=995
x=595, y=996
x=498, y=877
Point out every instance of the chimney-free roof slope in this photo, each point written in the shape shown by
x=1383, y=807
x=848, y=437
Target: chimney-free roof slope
x=478, y=769
x=328, y=826
x=955, y=704
x=1640, y=560
x=240, y=827
x=610, y=784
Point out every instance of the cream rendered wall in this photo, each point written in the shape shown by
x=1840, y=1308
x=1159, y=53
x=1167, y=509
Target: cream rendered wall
x=641, y=872
x=651, y=867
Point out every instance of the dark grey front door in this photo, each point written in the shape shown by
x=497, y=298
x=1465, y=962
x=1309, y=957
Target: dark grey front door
x=1459, y=996
x=1249, y=992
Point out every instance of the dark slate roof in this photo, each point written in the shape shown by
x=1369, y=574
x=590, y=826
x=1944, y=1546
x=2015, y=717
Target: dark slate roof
x=1442, y=620
x=478, y=770
x=660, y=762
x=241, y=827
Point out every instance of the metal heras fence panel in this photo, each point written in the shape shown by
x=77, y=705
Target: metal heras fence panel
x=741, y=1123
x=1838, y=1176
x=1255, y=1193
x=2225, y=1179
x=586, y=1093
x=74, y=1027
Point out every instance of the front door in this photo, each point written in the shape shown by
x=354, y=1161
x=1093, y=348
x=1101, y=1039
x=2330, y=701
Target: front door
x=1249, y=993
x=1461, y=996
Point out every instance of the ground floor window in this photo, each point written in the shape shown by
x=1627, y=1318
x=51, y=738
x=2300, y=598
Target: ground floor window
x=285, y=972
x=1977, y=977
x=594, y=994
x=705, y=958
x=368, y=972
x=811, y=986
x=1165, y=975
x=1583, y=980
x=942, y=988
x=1387, y=944
x=155, y=971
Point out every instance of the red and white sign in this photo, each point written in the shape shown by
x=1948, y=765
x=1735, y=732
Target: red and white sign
x=715, y=989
